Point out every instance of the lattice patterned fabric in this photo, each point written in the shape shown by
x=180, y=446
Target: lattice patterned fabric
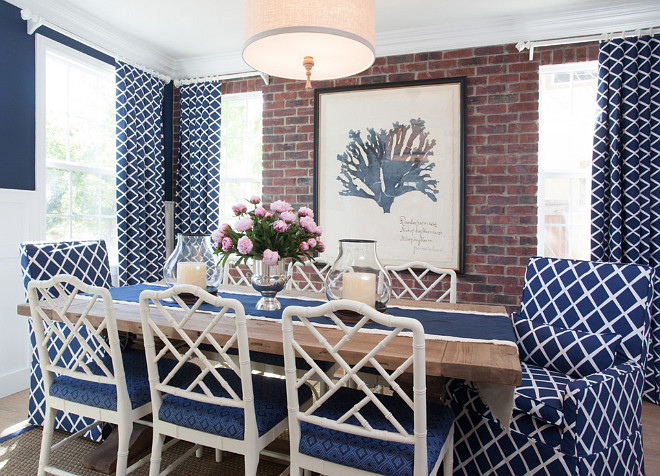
x=269, y=406
x=625, y=194
x=599, y=427
x=198, y=174
x=573, y=353
x=541, y=393
x=140, y=171
x=369, y=454
x=105, y=396
x=87, y=260
x=592, y=297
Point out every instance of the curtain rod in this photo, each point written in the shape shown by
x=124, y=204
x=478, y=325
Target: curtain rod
x=521, y=45
x=35, y=21
x=222, y=77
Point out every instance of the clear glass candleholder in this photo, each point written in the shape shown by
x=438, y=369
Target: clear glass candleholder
x=357, y=274
x=193, y=262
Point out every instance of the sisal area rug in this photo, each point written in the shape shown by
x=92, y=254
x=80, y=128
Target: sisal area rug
x=19, y=456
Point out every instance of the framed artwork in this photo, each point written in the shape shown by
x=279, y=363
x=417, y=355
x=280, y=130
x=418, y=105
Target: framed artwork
x=389, y=164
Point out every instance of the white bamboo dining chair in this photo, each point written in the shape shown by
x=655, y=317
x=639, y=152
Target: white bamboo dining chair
x=307, y=276
x=353, y=431
x=225, y=407
x=237, y=275
x=99, y=382
x=426, y=282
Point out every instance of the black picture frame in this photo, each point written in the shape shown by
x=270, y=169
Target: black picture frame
x=408, y=141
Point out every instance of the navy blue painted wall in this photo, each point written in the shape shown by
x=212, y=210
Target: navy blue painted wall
x=17, y=101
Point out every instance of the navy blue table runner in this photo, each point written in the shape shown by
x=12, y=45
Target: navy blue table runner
x=462, y=325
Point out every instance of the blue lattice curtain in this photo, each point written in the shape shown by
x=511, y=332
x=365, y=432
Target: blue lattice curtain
x=140, y=173
x=626, y=168
x=198, y=178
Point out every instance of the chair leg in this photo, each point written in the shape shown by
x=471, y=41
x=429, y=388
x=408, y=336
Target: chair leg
x=125, y=430
x=199, y=452
x=251, y=464
x=46, y=440
x=218, y=455
x=448, y=462
x=156, y=453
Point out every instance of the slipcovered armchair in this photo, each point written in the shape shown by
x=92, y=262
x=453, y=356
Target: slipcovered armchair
x=582, y=335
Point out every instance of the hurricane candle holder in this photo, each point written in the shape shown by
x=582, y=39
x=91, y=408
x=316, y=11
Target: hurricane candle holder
x=193, y=262
x=357, y=274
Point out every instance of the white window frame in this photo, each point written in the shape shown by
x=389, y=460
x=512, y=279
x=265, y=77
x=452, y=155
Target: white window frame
x=573, y=174
x=242, y=179
x=43, y=46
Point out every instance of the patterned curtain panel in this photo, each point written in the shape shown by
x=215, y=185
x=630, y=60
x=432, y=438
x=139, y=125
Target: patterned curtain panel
x=626, y=168
x=140, y=173
x=198, y=180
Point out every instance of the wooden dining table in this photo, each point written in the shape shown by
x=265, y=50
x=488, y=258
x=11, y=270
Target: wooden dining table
x=485, y=362
x=491, y=365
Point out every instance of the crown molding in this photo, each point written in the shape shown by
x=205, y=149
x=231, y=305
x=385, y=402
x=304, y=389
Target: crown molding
x=606, y=17
x=203, y=66
x=99, y=35
x=502, y=30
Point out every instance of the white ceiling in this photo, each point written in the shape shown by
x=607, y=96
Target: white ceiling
x=193, y=38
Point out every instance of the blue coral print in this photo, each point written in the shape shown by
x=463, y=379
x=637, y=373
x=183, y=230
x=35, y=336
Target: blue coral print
x=388, y=164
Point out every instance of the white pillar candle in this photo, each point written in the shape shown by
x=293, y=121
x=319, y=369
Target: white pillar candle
x=360, y=287
x=192, y=272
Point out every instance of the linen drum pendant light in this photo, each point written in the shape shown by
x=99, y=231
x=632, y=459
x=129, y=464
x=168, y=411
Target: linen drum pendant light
x=294, y=39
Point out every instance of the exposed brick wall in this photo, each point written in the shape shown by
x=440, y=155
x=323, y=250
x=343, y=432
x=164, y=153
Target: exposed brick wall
x=502, y=144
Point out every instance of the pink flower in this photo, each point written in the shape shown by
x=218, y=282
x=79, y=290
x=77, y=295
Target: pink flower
x=227, y=244
x=288, y=217
x=243, y=224
x=304, y=246
x=311, y=242
x=280, y=225
x=305, y=212
x=255, y=199
x=318, y=230
x=260, y=212
x=217, y=236
x=268, y=214
x=320, y=247
x=245, y=245
x=308, y=224
x=238, y=209
x=270, y=258
x=280, y=206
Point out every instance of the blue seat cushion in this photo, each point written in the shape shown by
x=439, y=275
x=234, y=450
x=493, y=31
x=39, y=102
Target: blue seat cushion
x=571, y=352
x=102, y=395
x=371, y=454
x=541, y=393
x=275, y=360
x=269, y=403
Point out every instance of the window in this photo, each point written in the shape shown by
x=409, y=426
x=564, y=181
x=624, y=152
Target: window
x=240, y=156
x=76, y=123
x=567, y=116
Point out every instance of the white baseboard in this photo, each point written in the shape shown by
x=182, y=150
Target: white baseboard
x=14, y=382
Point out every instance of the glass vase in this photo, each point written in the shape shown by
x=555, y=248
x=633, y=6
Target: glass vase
x=357, y=274
x=193, y=262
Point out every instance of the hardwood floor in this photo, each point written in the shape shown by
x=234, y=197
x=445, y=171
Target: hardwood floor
x=13, y=411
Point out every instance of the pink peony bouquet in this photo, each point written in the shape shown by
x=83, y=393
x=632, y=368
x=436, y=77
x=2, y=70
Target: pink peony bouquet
x=269, y=234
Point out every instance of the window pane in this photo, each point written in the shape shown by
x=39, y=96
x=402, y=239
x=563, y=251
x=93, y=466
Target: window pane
x=85, y=193
x=58, y=195
x=80, y=137
x=57, y=229
x=56, y=140
x=84, y=228
x=235, y=192
x=567, y=117
x=108, y=195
